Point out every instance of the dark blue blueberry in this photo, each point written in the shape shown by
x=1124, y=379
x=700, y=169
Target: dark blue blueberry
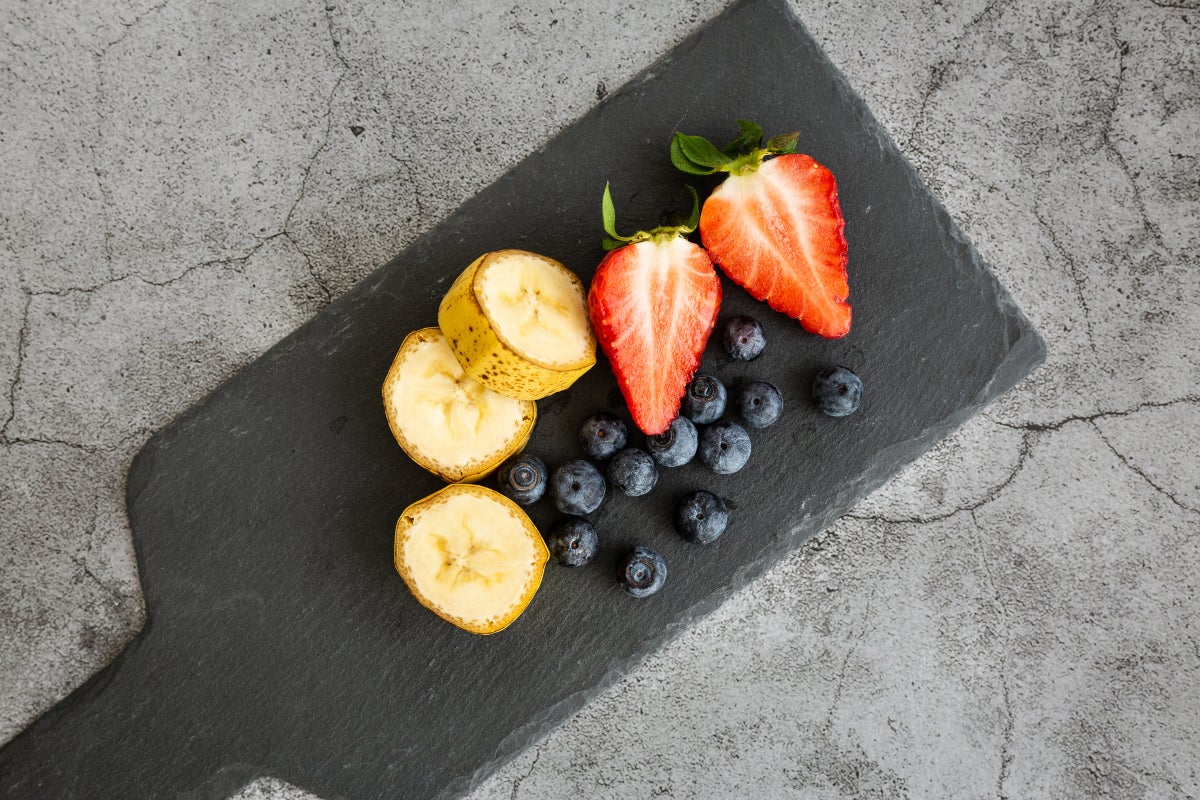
x=577, y=487
x=675, y=446
x=837, y=392
x=573, y=541
x=724, y=447
x=701, y=517
x=704, y=401
x=643, y=572
x=633, y=471
x=743, y=338
x=760, y=404
x=602, y=435
x=522, y=479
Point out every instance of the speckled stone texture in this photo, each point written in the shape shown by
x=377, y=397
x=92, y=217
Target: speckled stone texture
x=1014, y=616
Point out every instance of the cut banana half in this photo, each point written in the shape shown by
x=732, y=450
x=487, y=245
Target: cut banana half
x=450, y=424
x=471, y=556
x=518, y=323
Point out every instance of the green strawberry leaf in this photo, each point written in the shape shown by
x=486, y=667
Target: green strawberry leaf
x=608, y=213
x=681, y=161
x=750, y=132
x=701, y=151
x=784, y=143
x=751, y=138
x=694, y=219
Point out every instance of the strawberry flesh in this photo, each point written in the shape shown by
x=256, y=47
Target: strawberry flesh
x=653, y=305
x=778, y=232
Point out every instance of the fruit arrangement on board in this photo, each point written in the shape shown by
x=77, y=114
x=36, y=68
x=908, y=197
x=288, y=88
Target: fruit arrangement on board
x=516, y=327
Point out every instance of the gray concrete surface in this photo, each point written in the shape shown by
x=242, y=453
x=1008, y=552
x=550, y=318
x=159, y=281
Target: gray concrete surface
x=1015, y=616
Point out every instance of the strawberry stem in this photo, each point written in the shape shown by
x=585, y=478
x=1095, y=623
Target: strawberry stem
x=748, y=162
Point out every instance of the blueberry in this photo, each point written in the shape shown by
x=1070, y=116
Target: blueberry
x=602, y=435
x=705, y=400
x=577, y=487
x=522, y=479
x=837, y=392
x=724, y=447
x=643, y=572
x=675, y=446
x=701, y=517
x=573, y=541
x=760, y=404
x=633, y=471
x=743, y=338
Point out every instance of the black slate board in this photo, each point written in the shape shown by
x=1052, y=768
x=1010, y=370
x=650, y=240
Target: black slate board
x=279, y=639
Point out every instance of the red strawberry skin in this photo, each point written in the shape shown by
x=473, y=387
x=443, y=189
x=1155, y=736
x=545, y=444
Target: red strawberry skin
x=778, y=232
x=653, y=305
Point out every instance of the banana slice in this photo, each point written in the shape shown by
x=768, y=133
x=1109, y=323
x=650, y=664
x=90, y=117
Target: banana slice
x=448, y=423
x=518, y=323
x=471, y=556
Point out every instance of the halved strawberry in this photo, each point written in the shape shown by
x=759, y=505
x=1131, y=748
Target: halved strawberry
x=653, y=303
x=774, y=225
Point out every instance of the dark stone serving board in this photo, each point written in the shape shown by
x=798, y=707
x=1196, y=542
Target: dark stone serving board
x=280, y=641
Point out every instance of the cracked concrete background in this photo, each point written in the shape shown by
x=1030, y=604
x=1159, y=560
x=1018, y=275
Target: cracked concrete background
x=1013, y=616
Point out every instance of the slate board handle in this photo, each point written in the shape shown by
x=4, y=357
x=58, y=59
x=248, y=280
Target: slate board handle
x=119, y=736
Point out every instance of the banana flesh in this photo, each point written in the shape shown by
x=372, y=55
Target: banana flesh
x=518, y=323
x=471, y=556
x=444, y=420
